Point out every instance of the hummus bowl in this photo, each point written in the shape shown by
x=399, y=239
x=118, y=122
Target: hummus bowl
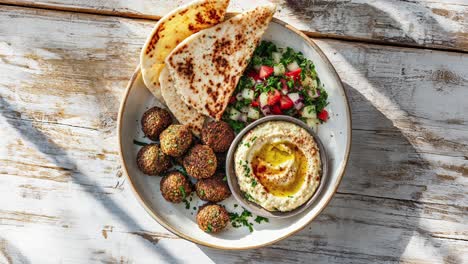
x=335, y=136
x=232, y=160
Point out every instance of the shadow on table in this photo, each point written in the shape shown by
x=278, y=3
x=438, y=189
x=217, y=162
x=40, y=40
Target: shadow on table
x=11, y=254
x=61, y=159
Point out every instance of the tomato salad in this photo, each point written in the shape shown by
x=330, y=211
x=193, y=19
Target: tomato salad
x=277, y=81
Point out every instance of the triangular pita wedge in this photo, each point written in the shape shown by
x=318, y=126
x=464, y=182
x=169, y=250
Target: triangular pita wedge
x=171, y=30
x=207, y=65
x=185, y=114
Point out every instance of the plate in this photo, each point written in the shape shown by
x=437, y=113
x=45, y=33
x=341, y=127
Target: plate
x=335, y=135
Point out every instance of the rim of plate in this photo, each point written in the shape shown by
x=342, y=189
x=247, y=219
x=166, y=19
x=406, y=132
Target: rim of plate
x=166, y=225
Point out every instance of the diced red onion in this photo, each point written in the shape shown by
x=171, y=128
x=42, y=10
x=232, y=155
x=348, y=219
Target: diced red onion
x=243, y=117
x=299, y=105
x=266, y=110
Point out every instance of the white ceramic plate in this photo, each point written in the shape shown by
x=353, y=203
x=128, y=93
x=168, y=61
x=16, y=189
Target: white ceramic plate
x=335, y=135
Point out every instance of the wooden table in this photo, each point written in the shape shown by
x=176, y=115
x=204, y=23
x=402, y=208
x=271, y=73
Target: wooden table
x=64, y=65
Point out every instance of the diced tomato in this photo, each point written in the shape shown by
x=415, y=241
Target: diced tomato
x=296, y=74
x=286, y=102
x=254, y=75
x=274, y=97
x=255, y=103
x=276, y=110
x=265, y=71
x=323, y=115
x=232, y=99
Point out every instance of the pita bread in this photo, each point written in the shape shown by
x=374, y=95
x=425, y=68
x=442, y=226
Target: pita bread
x=207, y=65
x=171, y=30
x=185, y=114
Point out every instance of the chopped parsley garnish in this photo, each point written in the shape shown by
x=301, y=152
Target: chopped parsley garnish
x=182, y=191
x=139, y=143
x=238, y=220
x=209, y=229
x=259, y=219
x=254, y=183
x=184, y=197
x=249, y=197
x=182, y=170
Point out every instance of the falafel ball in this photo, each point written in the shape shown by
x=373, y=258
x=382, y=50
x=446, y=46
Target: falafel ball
x=176, y=140
x=212, y=218
x=218, y=135
x=175, y=187
x=214, y=189
x=152, y=161
x=154, y=121
x=200, y=162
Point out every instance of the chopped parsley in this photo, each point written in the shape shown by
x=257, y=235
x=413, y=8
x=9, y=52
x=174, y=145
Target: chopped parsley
x=182, y=170
x=209, y=229
x=182, y=191
x=249, y=197
x=139, y=143
x=259, y=219
x=239, y=220
x=254, y=183
x=184, y=197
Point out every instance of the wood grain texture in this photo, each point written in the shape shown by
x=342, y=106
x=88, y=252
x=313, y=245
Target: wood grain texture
x=425, y=23
x=63, y=75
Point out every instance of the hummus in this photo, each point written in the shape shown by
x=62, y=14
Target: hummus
x=278, y=165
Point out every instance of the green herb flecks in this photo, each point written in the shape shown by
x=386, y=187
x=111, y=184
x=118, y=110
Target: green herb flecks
x=182, y=191
x=260, y=219
x=139, y=143
x=239, y=220
x=209, y=229
x=254, y=183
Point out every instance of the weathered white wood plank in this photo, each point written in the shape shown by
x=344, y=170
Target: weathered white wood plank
x=61, y=81
x=435, y=23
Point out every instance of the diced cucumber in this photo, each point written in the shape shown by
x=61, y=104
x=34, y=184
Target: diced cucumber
x=234, y=114
x=279, y=69
x=309, y=112
x=253, y=113
x=244, y=109
x=313, y=123
x=309, y=82
x=276, y=57
x=293, y=66
x=248, y=94
x=263, y=100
